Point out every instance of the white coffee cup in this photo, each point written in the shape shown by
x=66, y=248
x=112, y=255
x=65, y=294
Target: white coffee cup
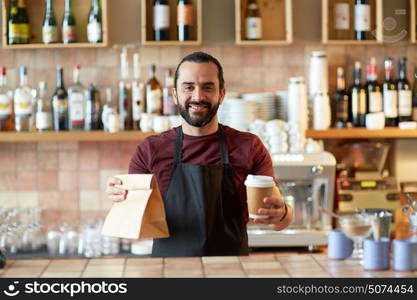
x=375, y=121
x=257, y=188
x=146, y=122
x=161, y=123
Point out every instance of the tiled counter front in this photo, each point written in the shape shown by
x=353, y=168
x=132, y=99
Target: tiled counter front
x=266, y=265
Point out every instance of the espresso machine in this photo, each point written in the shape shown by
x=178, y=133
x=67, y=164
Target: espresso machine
x=306, y=182
x=364, y=184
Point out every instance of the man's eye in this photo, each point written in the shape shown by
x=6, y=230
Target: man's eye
x=208, y=88
x=188, y=88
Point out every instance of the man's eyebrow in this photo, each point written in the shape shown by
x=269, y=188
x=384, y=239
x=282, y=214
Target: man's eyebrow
x=187, y=83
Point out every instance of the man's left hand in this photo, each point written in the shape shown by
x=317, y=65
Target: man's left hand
x=279, y=214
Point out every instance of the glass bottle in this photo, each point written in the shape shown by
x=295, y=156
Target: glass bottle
x=415, y=96
x=253, y=21
x=342, y=19
x=362, y=20
x=153, y=93
x=357, y=98
x=340, y=101
x=405, y=96
x=185, y=20
x=168, y=105
x=161, y=20
x=92, y=108
x=138, y=93
x=108, y=108
x=24, y=27
x=390, y=94
x=23, y=101
x=6, y=104
x=373, y=88
x=60, y=103
x=13, y=26
x=76, y=102
x=68, y=25
x=49, y=26
x=43, y=109
x=94, y=26
x=125, y=94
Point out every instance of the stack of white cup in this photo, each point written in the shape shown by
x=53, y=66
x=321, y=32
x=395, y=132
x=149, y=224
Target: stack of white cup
x=277, y=136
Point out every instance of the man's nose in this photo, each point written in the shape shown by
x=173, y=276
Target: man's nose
x=198, y=94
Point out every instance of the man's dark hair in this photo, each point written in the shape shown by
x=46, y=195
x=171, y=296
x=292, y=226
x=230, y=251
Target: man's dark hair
x=201, y=57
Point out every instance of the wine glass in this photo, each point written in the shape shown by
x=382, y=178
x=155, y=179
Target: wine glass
x=357, y=227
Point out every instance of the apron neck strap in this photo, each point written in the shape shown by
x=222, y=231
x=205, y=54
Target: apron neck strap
x=222, y=142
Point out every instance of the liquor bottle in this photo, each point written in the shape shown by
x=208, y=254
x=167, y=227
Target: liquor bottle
x=161, y=20
x=125, y=94
x=24, y=27
x=49, y=26
x=6, y=103
x=60, y=103
x=390, y=94
x=23, y=101
x=2, y=260
x=253, y=21
x=185, y=20
x=43, y=109
x=76, y=103
x=168, y=106
x=13, y=26
x=342, y=17
x=138, y=93
x=92, y=109
x=373, y=88
x=358, y=98
x=340, y=102
x=94, y=26
x=108, y=109
x=362, y=20
x=405, y=96
x=415, y=96
x=68, y=25
x=153, y=93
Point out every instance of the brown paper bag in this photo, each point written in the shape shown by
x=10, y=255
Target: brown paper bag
x=142, y=214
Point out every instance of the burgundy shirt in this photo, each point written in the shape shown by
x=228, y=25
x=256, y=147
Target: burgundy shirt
x=247, y=155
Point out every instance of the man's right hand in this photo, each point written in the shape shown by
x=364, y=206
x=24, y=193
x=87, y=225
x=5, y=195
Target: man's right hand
x=115, y=194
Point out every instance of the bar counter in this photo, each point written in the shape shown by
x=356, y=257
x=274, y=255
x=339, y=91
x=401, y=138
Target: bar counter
x=258, y=264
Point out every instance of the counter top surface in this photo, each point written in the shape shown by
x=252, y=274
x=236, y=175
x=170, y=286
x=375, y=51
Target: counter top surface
x=271, y=264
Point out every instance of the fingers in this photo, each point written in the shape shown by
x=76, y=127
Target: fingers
x=275, y=202
x=117, y=198
x=112, y=181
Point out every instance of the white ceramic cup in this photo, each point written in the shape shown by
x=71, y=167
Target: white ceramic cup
x=161, y=123
x=146, y=122
x=375, y=121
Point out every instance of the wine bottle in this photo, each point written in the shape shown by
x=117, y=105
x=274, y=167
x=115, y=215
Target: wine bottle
x=362, y=20
x=92, y=109
x=185, y=20
x=342, y=20
x=415, y=96
x=23, y=101
x=340, y=102
x=68, y=25
x=49, y=26
x=125, y=94
x=168, y=105
x=6, y=103
x=138, y=93
x=358, y=98
x=373, y=89
x=60, y=103
x=43, y=109
x=405, y=96
x=108, y=109
x=76, y=102
x=2, y=260
x=161, y=20
x=153, y=93
x=253, y=21
x=94, y=26
x=13, y=26
x=24, y=27
x=390, y=94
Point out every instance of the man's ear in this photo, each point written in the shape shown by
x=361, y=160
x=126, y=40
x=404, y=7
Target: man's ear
x=222, y=94
x=174, y=96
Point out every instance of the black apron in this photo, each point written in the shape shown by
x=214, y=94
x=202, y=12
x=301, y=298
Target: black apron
x=203, y=210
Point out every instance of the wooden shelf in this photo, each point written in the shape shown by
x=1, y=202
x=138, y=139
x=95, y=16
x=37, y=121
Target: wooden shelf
x=147, y=25
x=276, y=23
x=362, y=133
x=413, y=17
x=97, y=136
x=36, y=11
x=327, y=17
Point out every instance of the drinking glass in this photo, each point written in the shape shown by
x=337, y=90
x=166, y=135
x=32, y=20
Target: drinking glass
x=357, y=227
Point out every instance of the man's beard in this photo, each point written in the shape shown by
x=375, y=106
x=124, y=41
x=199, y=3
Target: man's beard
x=199, y=119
